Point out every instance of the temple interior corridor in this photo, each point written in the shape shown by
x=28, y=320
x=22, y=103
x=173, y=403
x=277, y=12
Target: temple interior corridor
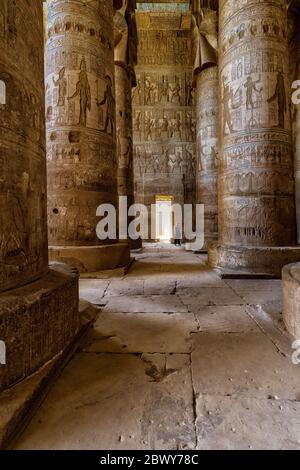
x=178, y=359
x=149, y=225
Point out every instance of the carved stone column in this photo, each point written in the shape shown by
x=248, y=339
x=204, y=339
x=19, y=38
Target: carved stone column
x=256, y=184
x=38, y=305
x=81, y=132
x=205, y=44
x=294, y=37
x=125, y=35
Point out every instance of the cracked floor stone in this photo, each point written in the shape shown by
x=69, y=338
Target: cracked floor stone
x=178, y=359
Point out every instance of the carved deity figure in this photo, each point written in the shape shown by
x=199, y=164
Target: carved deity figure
x=280, y=97
x=61, y=83
x=226, y=101
x=250, y=86
x=110, y=103
x=150, y=90
x=126, y=36
x=83, y=90
x=204, y=34
x=175, y=92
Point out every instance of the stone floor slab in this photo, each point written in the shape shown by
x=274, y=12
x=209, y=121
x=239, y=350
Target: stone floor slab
x=227, y=423
x=125, y=287
x=140, y=333
x=146, y=304
x=230, y=319
x=208, y=296
x=92, y=290
x=112, y=401
x=242, y=365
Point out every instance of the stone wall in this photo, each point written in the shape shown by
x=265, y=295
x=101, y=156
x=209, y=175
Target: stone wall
x=164, y=126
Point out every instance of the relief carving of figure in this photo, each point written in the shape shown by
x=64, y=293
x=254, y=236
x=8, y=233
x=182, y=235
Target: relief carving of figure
x=280, y=97
x=226, y=101
x=250, y=86
x=175, y=92
x=61, y=83
x=83, y=90
x=110, y=102
x=204, y=34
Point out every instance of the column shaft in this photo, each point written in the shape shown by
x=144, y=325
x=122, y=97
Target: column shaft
x=81, y=130
x=205, y=52
x=256, y=185
x=23, y=222
x=39, y=313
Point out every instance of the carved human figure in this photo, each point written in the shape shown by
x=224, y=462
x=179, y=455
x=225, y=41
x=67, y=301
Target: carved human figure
x=150, y=90
x=175, y=91
x=164, y=91
x=83, y=90
x=110, y=103
x=226, y=100
x=251, y=87
x=280, y=96
x=61, y=83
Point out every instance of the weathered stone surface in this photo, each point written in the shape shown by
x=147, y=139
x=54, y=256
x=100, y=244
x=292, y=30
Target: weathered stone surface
x=164, y=121
x=38, y=307
x=23, y=221
x=90, y=259
x=140, y=332
x=230, y=423
x=146, y=304
x=92, y=290
x=37, y=322
x=81, y=127
x=291, y=291
x=170, y=397
x=209, y=296
x=242, y=365
x=150, y=386
x=256, y=200
x=255, y=292
x=294, y=51
x=124, y=288
x=205, y=51
x=231, y=319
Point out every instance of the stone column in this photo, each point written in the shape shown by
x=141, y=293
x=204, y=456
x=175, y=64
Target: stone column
x=81, y=132
x=38, y=305
x=125, y=52
x=294, y=37
x=205, y=44
x=256, y=183
x=291, y=296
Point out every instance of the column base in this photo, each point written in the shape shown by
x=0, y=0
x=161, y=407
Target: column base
x=92, y=258
x=197, y=249
x=136, y=244
x=251, y=262
x=291, y=295
x=37, y=322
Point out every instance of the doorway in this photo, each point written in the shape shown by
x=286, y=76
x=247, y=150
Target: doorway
x=164, y=218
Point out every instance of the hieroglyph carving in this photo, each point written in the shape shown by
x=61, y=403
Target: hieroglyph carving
x=206, y=83
x=256, y=169
x=164, y=120
x=80, y=111
x=23, y=231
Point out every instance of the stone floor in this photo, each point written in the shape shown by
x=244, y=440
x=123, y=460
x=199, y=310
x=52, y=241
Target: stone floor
x=178, y=359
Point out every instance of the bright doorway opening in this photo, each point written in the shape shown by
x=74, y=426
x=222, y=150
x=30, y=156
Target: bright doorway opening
x=164, y=218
